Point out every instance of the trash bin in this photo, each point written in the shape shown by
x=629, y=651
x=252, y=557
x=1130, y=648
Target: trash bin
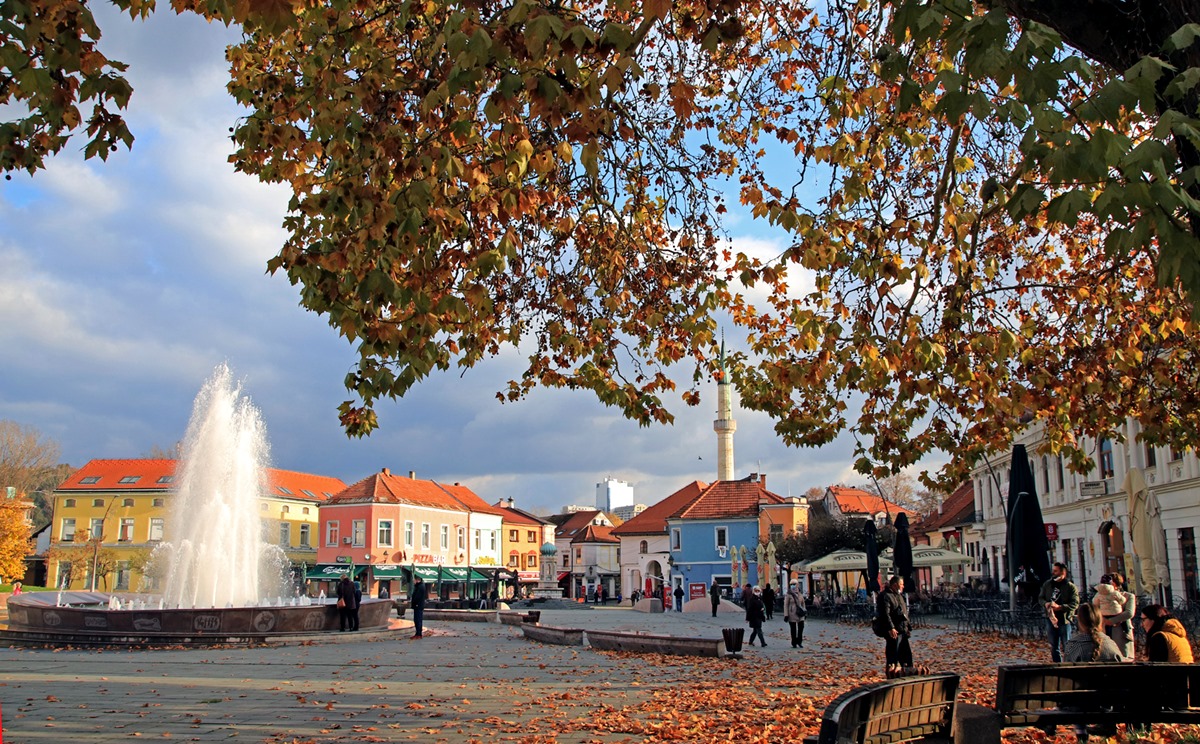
x=733, y=639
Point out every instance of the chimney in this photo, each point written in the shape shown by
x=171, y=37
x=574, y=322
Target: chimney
x=762, y=478
x=412, y=474
x=386, y=471
x=511, y=503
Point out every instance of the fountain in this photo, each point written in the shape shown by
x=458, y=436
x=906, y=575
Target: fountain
x=221, y=582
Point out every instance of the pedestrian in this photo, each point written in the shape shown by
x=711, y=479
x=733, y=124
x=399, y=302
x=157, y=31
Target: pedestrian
x=891, y=624
x=494, y=599
x=714, y=596
x=768, y=595
x=794, y=611
x=1166, y=639
x=416, y=600
x=1089, y=644
x=1061, y=599
x=347, y=603
x=16, y=588
x=384, y=592
x=679, y=598
x=1119, y=625
x=755, y=615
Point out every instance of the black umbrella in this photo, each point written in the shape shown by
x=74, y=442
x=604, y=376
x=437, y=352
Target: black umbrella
x=1027, y=544
x=902, y=552
x=872, y=557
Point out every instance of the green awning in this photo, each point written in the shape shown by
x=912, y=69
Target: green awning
x=455, y=573
x=387, y=572
x=426, y=574
x=332, y=571
x=479, y=578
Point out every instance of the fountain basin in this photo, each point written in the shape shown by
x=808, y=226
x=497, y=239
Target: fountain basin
x=85, y=619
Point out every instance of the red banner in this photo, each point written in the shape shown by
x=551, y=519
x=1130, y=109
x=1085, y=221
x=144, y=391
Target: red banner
x=1051, y=531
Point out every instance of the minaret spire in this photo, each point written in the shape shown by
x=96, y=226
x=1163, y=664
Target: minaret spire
x=724, y=426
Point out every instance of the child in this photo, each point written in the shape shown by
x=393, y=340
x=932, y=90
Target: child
x=1109, y=600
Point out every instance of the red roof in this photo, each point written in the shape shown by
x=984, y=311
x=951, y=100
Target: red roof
x=159, y=475
x=385, y=488
x=737, y=499
x=513, y=515
x=653, y=521
x=575, y=523
x=956, y=510
x=855, y=501
x=595, y=533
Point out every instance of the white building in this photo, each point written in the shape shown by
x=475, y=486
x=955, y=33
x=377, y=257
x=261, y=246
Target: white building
x=1086, y=516
x=612, y=494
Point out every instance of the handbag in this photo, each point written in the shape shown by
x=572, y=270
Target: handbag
x=341, y=603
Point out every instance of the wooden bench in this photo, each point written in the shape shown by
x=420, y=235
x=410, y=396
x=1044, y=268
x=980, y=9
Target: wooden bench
x=905, y=709
x=1045, y=695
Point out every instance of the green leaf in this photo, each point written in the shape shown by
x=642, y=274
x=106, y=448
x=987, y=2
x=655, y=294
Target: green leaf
x=1183, y=38
x=1066, y=208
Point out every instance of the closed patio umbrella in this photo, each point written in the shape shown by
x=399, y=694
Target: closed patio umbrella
x=1158, y=543
x=1027, y=544
x=869, y=534
x=902, y=553
x=1142, y=532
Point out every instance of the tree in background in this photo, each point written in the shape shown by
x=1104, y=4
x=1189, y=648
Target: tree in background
x=15, y=542
x=903, y=490
x=27, y=459
x=984, y=209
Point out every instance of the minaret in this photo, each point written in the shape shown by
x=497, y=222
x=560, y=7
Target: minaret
x=724, y=426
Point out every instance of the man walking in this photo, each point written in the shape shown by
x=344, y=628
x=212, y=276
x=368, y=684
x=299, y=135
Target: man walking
x=416, y=600
x=768, y=597
x=679, y=598
x=714, y=594
x=1060, y=598
x=348, y=598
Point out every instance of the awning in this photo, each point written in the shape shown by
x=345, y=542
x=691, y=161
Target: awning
x=506, y=574
x=333, y=571
x=454, y=573
x=478, y=577
x=387, y=572
x=426, y=574
x=563, y=574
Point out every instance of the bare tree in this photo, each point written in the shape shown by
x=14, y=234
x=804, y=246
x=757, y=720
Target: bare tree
x=26, y=457
x=901, y=489
x=174, y=452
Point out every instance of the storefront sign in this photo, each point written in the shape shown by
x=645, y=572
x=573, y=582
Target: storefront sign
x=697, y=591
x=1091, y=489
x=1051, y=531
x=344, y=559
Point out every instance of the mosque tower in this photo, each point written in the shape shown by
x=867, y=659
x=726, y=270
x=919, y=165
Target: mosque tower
x=724, y=426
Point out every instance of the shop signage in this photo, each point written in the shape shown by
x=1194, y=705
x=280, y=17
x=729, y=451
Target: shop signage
x=344, y=559
x=1090, y=489
x=1051, y=531
x=697, y=591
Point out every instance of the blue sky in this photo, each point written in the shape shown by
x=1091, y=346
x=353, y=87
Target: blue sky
x=125, y=283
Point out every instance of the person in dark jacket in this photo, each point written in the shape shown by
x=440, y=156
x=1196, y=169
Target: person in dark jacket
x=679, y=599
x=768, y=595
x=755, y=615
x=714, y=594
x=416, y=600
x=794, y=611
x=1166, y=639
x=891, y=624
x=348, y=597
x=1061, y=599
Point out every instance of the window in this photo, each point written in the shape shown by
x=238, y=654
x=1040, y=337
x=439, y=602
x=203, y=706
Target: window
x=676, y=539
x=493, y=534
x=360, y=532
x=262, y=506
x=514, y=559
x=166, y=479
x=643, y=547
x=1061, y=477
x=479, y=539
x=308, y=493
x=68, y=503
x=156, y=529
x=123, y=574
x=445, y=537
x=158, y=503
x=1106, y=458
x=305, y=541
x=424, y=534
x=285, y=533
x=304, y=510
x=284, y=491
x=408, y=534
x=512, y=535
x=1045, y=473
x=97, y=502
x=286, y=509
x=532, y=561
x=775, y=533
x=130, y=479
x=67, y=532
x=578, y=556
x=331, y=532
x=97, y=530
x=1176, y=455
x=126, y=532
x=89, y=481
x=383, y=536
x=1151, y=455
x=531, y=536
x=462, y=538
x=722, y=537
x=126, y=502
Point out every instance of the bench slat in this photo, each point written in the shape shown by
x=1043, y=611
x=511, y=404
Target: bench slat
x=894, y=711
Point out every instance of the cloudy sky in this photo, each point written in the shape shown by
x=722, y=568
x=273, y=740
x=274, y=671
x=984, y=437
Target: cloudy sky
x=125, y=283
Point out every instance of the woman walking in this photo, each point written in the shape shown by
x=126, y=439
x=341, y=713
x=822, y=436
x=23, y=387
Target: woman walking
x=755, y=615
x=891, y=624
x=794, y=611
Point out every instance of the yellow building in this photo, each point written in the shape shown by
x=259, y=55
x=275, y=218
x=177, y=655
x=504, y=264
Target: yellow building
x=111, y=514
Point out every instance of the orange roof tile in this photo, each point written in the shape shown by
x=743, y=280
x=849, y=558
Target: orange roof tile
x=958, y=509
x=385, y=488
x=576, y=522
x=513, y=515
x=159, y=475
x=858, y=501
x=653, y=521
x=595, y=533
x=737, y=499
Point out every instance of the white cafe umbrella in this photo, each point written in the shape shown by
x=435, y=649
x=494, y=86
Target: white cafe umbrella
x=845, y=560
x=925, y=556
